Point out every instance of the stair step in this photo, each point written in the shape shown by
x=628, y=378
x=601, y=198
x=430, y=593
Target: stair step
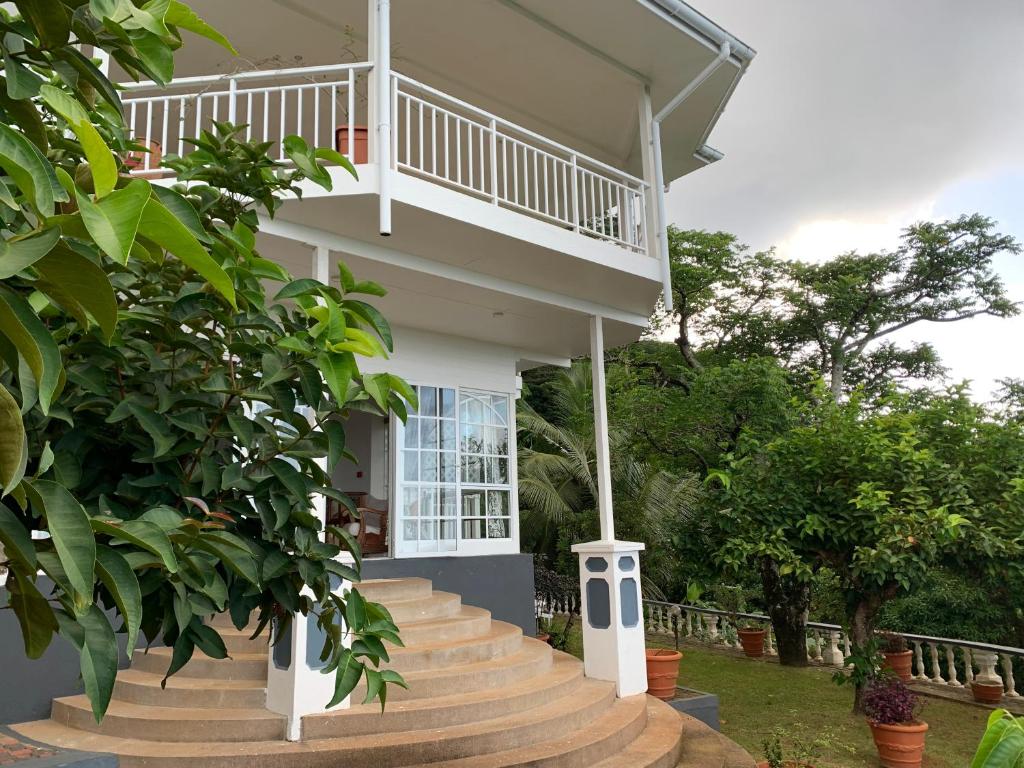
x=590, y=704
x=500, y=640
x=170, y=724
x=533, y=658
x=439, y=605
x=240, y=642
x=241, y=666
x=440, y=712
x=572, y=747
x=388, y=591
x=468, y=622
x=137, y=687
x=660, y=744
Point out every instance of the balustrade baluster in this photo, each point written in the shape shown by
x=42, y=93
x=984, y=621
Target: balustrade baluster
x=933, y=654
x=919, y=670
x=951, y=668
x=968, y=666
x=818, y=657
x=847, y=646
x=769, y=641
x=1011, y=685
x=689, y=623
x=650, y=618
x=712, y=623
x=833, y=655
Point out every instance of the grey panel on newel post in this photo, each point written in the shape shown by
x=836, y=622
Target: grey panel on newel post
x=502, y=584
x=28, y=687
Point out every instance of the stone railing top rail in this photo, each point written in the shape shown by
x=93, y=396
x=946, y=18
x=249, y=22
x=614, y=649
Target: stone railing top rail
x=944, y=641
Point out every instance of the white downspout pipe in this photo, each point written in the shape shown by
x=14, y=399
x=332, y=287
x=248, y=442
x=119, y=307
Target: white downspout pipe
x=724, y=51
x=382, y=81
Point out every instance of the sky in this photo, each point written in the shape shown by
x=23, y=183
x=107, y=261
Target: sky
x=856, y=119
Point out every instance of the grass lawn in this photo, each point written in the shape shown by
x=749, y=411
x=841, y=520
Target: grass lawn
x=757, y=697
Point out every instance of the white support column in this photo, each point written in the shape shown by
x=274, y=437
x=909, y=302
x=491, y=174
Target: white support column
x=296, y=686
x=647, y=158
x=321, y=264
x=611, y=608
x=381, y=13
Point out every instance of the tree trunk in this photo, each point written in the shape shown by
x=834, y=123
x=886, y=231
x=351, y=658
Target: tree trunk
x=862, y=627
x=683, y=340
x=788, y=602
x=837, y=375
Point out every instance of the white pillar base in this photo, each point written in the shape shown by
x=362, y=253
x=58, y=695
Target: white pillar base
x=295, y=684
x=612, y=616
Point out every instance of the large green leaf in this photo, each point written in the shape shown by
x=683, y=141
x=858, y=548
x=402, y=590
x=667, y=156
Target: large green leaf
x=338, y=369
x=22, y=327
x=101, y=160
x=78, y=285
x=347, y=674
x=12, y=441
x=22, y=82
x=113, y=221
x=143, y=534
x=120, y=580
x=30, y=170
x=98, y=659
x=181, y=16
x=50, y=20
x=35, y=616
x=160, y=225
x=68, y=524
x=17, y=541
x=16, y=255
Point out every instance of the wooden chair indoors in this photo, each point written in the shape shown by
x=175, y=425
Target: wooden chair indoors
x=370, y=529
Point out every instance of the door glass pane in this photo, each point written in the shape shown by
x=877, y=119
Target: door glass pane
x=412, y=432
x=410, y=466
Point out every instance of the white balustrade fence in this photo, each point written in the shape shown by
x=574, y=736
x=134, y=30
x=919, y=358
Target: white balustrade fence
x=455, y=144
x=937, y=660
x=316, y=103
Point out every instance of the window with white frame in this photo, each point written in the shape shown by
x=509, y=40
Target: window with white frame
x=454, y=477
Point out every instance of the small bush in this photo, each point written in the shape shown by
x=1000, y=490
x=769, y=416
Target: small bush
x=889, y=702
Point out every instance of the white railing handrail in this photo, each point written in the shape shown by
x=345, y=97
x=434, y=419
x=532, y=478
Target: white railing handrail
x=509, y=125
x=255, y=74
x=972, y=644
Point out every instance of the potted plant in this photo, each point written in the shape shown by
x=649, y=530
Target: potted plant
x=733, y=599
x=1002, y=745
x=892, y=709
x=662, y=672
x=986, y=692
x=896, y=655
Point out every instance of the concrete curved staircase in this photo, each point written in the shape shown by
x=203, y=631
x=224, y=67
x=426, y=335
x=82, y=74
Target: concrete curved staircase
x=480, y=696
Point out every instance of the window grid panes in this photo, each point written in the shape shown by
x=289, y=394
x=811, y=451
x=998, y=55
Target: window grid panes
x=453, y=470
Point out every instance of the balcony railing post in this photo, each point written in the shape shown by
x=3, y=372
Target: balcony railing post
x=494, y=160
x=575, y=194
x=232, y=99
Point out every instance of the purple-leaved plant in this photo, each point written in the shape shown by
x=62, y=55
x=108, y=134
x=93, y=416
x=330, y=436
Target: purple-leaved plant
x=887, y=700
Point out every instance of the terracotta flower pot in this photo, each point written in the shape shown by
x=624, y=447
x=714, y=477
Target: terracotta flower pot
x=752, y=641
x=900, y=664
x=544, y=637
x=662, y=672
x=136, y=161
x=899, y=745
x=987, y=693
x=360, y=146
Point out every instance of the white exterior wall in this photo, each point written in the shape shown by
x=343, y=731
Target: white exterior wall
x=430, y=359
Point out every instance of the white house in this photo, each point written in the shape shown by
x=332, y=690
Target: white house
x=512, y=158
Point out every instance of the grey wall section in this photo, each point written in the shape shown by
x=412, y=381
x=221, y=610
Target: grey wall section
x=503, y=584
x=27, y=687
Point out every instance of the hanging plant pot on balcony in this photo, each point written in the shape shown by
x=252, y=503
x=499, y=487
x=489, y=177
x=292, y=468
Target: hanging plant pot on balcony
x=360, y=145
x=752, y=640
x=987, y=693
x=662, y=672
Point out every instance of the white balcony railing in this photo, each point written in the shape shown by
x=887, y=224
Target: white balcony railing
x=458, y=145
x=435, y=136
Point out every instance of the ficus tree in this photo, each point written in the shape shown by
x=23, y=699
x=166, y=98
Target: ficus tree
x=164, y=422
x=868, y=494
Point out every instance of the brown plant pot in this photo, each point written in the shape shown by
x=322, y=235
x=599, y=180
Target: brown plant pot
x=900, y=664
x=752, y=641
x=899, y=745
x=136, y=161
x=987, y=693
x=544, y=637
x=662, y=672
x=360, y=143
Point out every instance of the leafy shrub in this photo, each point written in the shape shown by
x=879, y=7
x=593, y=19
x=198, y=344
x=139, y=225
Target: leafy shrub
x=888, y=701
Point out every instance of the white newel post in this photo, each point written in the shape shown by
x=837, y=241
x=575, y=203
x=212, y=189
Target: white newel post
x=613, y=627
x=296, y=686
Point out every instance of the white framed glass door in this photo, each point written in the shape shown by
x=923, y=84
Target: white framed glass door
x=453, y=473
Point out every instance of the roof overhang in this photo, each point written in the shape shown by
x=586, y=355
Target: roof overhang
x=571, y=70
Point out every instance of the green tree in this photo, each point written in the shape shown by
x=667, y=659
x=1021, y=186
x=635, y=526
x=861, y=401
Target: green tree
x=163, y=422
x=558, y=484
x=867, y=494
